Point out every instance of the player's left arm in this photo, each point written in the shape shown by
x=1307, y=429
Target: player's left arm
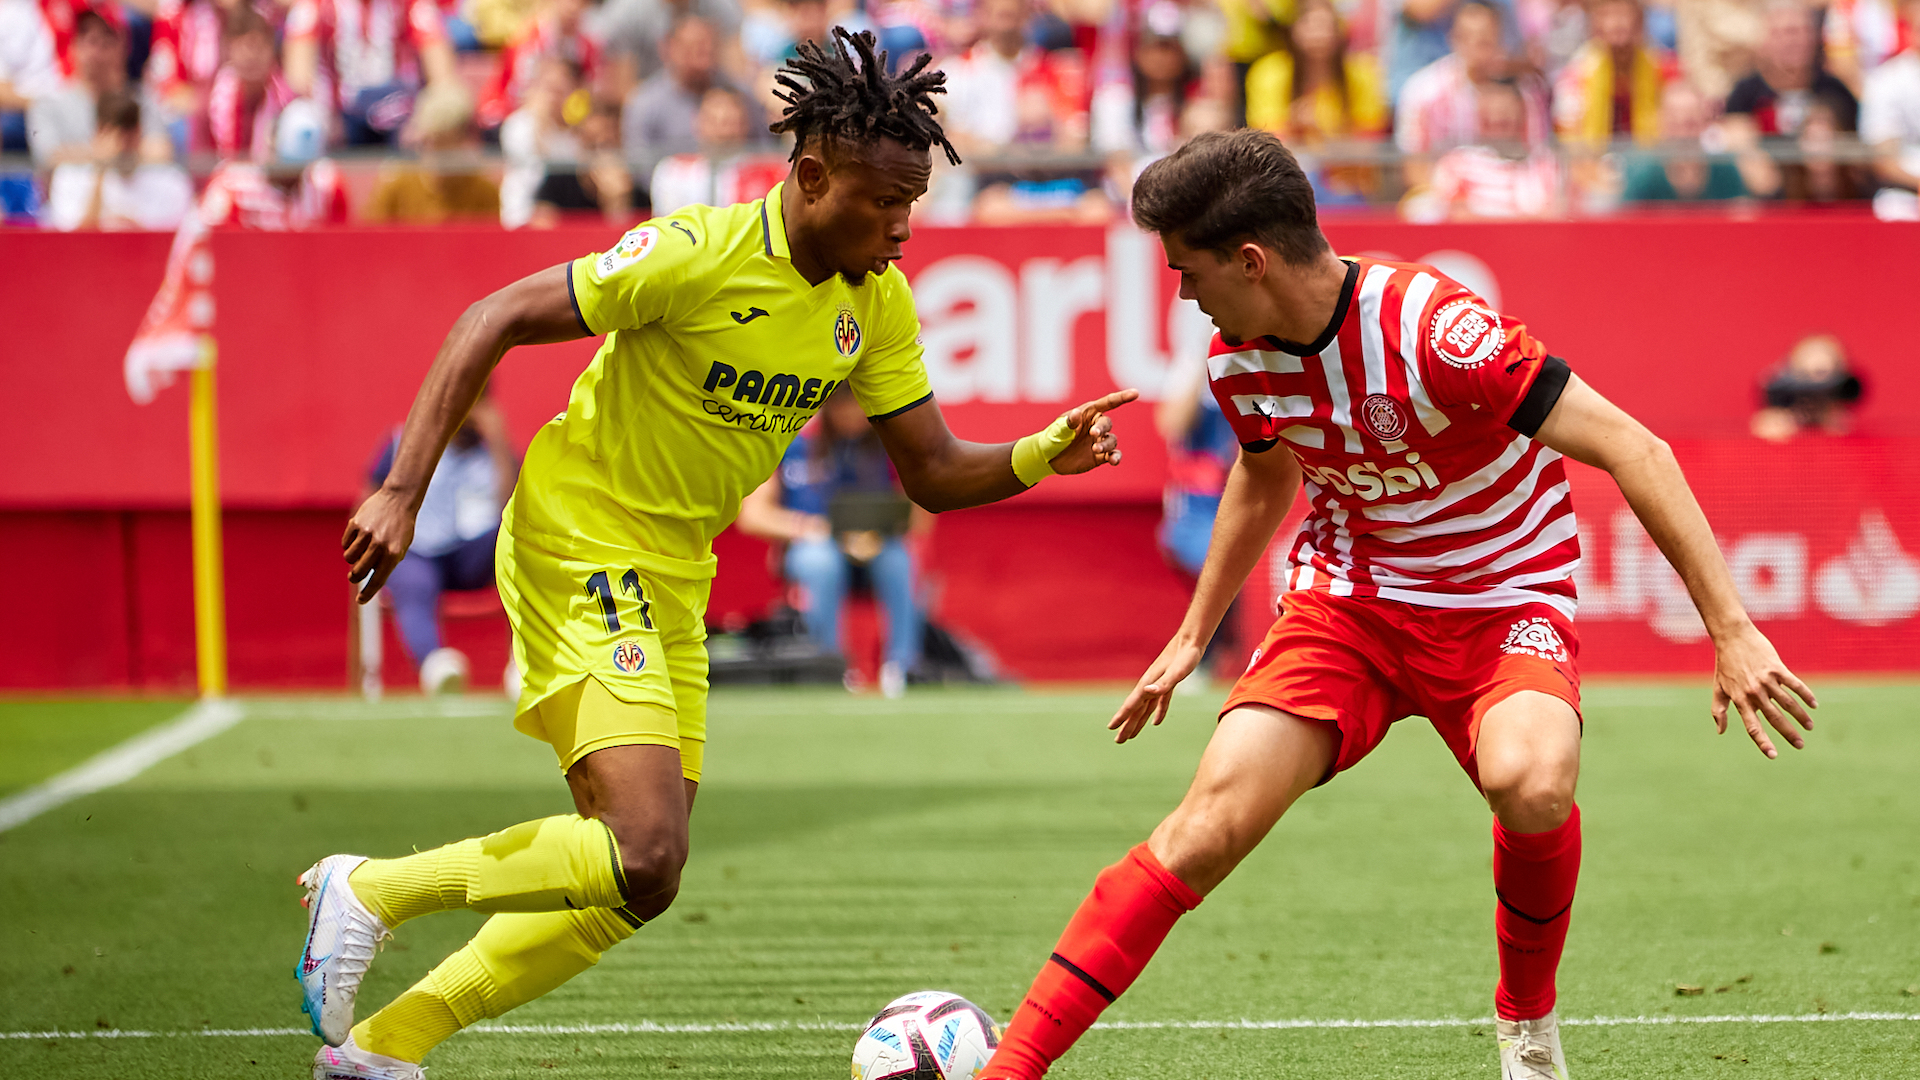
x=943, y=472
x=1748, y=673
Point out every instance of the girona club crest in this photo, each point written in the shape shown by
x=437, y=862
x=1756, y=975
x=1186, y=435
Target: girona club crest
x=1465, y=334
x=629, y=657
x=846, y=333
x=1384, y=417
x=1535, y=637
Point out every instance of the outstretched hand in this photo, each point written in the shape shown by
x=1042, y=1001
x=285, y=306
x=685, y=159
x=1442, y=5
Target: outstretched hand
x=1093, y=441
x=1748, y=674
x=1154, y=692
x=377, y=538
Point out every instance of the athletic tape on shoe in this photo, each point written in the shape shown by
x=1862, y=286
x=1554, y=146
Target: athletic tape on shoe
x=1033, y=455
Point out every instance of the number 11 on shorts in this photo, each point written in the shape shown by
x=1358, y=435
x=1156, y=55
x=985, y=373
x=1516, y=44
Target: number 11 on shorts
x=600, y=588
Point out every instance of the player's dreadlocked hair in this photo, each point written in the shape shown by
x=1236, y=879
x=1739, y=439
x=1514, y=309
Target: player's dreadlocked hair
x=849, y=95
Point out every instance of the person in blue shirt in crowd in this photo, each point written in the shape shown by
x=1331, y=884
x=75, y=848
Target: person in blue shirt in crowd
x=837, y=506
x=453, y=540
x=1201, y=449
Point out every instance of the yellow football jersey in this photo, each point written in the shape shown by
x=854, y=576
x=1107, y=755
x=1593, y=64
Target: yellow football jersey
x=717, y=353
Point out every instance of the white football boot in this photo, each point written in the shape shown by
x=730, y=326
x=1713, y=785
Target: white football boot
x=342, y=936
x=1530, y=1049
x=444, y=671
x=349, y=1062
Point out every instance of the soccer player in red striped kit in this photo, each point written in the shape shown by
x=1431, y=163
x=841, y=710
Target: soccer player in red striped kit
x=1433, y=576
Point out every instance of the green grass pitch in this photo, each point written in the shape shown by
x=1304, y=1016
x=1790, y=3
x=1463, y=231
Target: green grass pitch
x=847, y=850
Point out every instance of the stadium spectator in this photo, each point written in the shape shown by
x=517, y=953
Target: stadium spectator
x=728, y=168
x=598, y=182
x=1788, y=80
x=1502, y=178
x=1610, y=88
x=367, y=59
x=1812, y=390
x=1682, y=169
x=658, y=120
x=1718, y=42
x=117, y=190
x=491, y=24
x=557, y=30
x=1890, y=124
x=453, y=537
x=1201, y=449
x=1315, y=88
x=248, y=92
x=1858, y=36
x=448, y=181
x=186, y=50
x=638, y=30
x=60, y=124
x=1003, y=84
x=797, y=21
x=1142, y=113
x=541, y=133
x=837, y=506
x=1440, y=106
x=1254, y=29
x=1420, y=33
x=28, y=68
x=1824, y=173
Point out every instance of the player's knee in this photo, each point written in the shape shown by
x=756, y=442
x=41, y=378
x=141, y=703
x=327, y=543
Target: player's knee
x=1532, y=801
x=651, y=866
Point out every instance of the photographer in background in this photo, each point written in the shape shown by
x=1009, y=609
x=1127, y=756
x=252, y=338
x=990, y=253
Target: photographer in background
x=1814, y=389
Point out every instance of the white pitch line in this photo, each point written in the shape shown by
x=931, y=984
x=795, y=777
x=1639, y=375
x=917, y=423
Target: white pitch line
x=648, y=1027
x=207, y=718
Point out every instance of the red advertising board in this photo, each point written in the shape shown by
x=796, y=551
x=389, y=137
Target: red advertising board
x=324, y=337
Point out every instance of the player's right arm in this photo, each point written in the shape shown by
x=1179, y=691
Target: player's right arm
x=536, y=310
x=1260, y=490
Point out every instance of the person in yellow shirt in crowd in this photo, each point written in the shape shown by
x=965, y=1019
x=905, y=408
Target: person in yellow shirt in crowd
x=726, y=329
x=1312, y=89
x=1611, y=86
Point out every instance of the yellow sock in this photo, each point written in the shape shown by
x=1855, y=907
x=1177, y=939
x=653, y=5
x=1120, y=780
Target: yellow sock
x=547, y=865
x=515, y=958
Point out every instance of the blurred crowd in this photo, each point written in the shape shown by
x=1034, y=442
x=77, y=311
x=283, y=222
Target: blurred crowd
x=531, y=111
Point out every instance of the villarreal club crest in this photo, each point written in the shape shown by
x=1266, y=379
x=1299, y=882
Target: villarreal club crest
x=846, y=333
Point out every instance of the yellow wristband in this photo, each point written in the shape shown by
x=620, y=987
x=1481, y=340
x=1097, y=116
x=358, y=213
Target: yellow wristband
x=1033, y=455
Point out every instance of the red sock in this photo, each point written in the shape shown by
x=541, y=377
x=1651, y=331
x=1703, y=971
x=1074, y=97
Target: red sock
x=1533, y=876
x=1110, y=939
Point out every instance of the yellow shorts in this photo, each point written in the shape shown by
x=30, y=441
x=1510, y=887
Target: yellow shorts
x=640, y=636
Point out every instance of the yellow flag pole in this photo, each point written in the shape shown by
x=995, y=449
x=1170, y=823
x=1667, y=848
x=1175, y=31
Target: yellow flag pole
x=209, y=584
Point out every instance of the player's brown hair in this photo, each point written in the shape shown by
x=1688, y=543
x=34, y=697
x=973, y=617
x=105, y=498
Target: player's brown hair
x=1228, y=187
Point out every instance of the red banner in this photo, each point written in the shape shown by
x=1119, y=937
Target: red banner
x=324, y=336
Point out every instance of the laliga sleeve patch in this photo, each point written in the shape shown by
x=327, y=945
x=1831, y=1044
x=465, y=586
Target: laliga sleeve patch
x=636, y=245
x=1465, y=334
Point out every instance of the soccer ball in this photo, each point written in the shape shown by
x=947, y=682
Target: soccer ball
x=927, y=1035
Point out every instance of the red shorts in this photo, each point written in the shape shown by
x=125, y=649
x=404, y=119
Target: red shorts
x=1363, y=664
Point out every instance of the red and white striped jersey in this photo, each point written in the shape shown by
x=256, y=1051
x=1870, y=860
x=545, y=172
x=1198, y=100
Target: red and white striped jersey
x=1412, y=417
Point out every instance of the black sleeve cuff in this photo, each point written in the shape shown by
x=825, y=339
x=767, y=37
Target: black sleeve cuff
x=1259, y=447
x=575, y=301
x=1541, y=397
x=908, y=407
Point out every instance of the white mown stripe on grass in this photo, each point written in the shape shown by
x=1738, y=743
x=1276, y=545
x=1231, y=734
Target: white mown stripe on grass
x=648, y=1027
x=207, y=718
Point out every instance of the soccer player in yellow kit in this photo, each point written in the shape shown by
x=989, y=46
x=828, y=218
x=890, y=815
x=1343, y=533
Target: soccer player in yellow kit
x=725, y=330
